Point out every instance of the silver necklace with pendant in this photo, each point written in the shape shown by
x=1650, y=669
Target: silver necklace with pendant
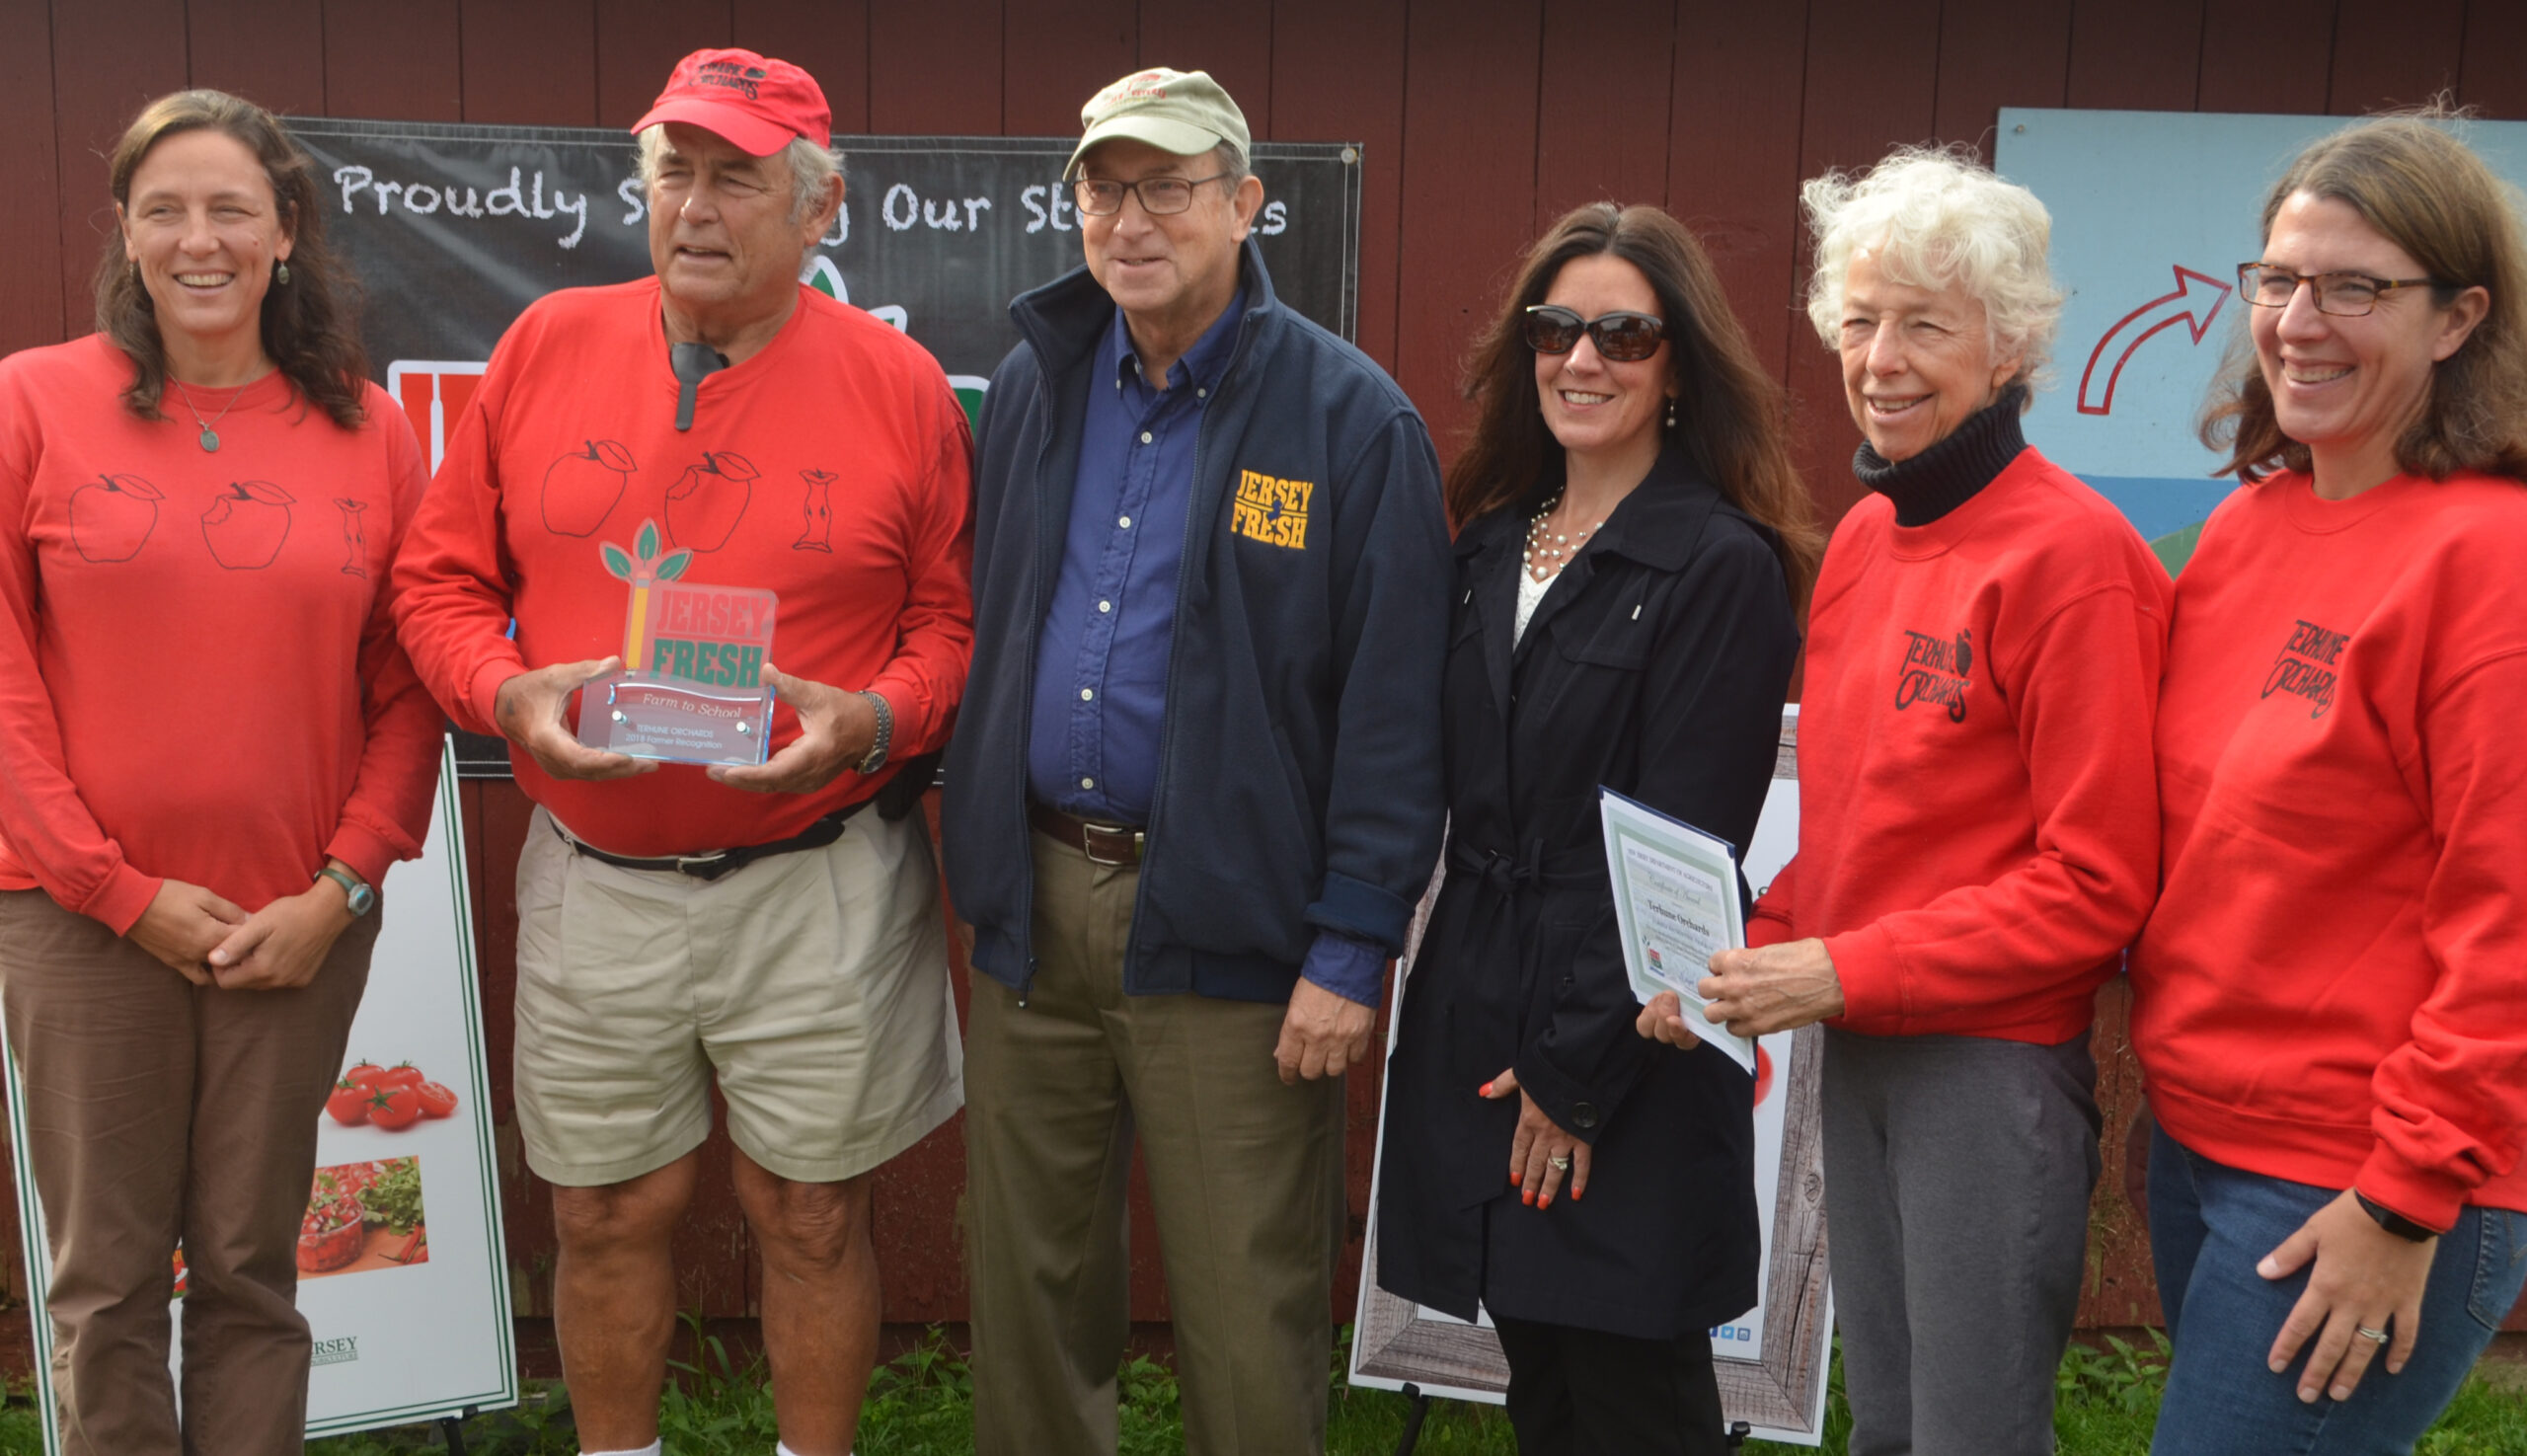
x=209, y=437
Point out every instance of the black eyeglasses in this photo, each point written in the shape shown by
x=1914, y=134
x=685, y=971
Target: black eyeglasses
x=2344, y=295
x=1622, y=337
x=1161, y=197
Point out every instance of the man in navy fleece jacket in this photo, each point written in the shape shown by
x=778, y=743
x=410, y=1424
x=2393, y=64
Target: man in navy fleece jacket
x=1193, y=796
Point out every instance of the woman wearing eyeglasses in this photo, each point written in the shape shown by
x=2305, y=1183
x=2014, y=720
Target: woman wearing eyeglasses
x=1978, y=823
x=1633, y=539
x=2330, y=999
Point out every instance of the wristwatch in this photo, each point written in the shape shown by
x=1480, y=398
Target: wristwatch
x=2394, y=1222
x=362, y=898
x=876, y=757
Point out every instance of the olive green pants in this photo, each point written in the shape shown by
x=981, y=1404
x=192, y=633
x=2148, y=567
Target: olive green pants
x=1245, y=1177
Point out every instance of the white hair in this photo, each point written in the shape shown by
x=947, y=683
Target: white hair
x=1936, y=220
x=811, y=167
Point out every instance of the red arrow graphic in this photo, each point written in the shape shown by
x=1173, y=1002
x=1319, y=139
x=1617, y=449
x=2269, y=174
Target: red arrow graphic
x=2136, y=327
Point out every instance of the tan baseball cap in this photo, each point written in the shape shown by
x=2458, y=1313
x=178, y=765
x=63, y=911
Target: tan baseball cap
x=1182, y=111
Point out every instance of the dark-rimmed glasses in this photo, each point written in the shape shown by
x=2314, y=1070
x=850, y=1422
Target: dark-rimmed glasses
x=2341, y=294
x=1622, y=337
x=1161, y=197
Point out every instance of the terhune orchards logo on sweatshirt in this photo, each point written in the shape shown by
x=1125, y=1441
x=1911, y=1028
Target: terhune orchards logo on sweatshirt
x=2305, y=666
x=1934, y=672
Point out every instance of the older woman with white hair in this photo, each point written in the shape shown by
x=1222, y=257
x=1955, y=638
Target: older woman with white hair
x=1978, y=834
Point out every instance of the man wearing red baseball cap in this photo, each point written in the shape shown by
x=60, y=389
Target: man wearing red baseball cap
x=748, y=924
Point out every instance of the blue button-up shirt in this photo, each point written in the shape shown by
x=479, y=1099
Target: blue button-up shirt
x=1101, y=661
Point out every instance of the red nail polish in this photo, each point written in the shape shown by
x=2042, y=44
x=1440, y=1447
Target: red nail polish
x=1544, y=1202
x=1516, y=1178
x=1578, y=1194
x=1484, y=1091
x=1528, y=1198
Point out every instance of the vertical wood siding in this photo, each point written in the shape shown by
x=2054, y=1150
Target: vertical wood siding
x=1482, y=119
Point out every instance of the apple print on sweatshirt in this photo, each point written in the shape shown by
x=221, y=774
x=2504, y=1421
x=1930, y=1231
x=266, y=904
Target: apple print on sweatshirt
x=818, y=536
x=583, y=488
x=112, y=517
x=355, y=537
x=245, y=524
x=705, y=502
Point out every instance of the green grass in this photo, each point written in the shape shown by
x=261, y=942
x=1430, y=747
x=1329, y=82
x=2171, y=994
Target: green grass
x=919, y=1405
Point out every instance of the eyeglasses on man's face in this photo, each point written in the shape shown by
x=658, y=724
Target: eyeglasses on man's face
x=1161, y=197
x=2345, y=295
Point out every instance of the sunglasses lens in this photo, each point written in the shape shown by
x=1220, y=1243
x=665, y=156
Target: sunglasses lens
x=1554, y=330
x=1625, y=337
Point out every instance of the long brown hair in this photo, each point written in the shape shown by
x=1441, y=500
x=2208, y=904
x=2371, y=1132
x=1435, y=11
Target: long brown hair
x=310, y=324
x=1731, y=414
x=2431, y=195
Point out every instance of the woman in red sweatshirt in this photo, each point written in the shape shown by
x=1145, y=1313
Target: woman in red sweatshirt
x=2331, y=997
x=1978, y=832
x=211, y=750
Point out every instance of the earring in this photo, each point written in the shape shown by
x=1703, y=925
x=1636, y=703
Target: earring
x=280, y=275
x=135, y=269
x=1671, y=411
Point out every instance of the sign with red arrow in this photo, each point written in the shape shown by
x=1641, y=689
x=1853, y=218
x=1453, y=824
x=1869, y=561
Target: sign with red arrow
x=2131, y=331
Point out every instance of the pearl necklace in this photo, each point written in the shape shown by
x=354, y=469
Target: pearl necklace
x=1548, y=551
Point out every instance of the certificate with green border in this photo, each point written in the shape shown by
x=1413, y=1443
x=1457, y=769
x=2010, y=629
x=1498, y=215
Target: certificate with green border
x=1675, y=904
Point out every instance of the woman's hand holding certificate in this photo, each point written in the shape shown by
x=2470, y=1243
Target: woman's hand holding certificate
x=1772, y=989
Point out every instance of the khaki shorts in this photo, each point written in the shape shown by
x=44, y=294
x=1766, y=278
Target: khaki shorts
x=814, y=984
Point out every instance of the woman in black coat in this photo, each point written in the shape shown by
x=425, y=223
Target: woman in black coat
x=1632, y=542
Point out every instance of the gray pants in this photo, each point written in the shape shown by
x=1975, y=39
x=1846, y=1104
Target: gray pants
x=1958, y=1172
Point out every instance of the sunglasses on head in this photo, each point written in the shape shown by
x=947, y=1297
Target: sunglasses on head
x=1622, y=337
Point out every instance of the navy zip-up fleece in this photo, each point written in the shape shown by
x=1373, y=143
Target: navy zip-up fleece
x=1298, y=785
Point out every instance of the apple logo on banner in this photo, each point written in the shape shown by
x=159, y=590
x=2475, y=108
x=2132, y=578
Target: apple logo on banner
x=245, y=524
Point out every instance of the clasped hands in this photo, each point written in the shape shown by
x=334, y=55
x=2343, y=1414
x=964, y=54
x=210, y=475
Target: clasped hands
x=1772, y=988
x=210, y=941
x=836, y=730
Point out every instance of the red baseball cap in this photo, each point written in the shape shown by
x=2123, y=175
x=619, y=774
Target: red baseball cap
x=753, y=101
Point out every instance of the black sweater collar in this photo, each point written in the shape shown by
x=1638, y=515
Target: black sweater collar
x=1950, y=472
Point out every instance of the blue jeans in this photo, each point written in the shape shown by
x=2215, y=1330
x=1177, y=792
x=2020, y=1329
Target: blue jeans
x=2209, y=1224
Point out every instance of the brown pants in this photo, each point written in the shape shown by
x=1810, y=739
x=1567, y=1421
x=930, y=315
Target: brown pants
x=1245, y=1177
x=158, y=1113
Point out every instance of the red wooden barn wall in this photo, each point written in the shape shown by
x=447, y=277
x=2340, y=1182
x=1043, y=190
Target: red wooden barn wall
x=1481, y=120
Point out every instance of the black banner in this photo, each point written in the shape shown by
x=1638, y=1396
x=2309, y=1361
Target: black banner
x=454, y=229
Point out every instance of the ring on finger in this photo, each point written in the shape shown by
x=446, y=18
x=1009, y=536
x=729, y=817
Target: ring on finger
x=2365, y=1333
x=1561, y=1163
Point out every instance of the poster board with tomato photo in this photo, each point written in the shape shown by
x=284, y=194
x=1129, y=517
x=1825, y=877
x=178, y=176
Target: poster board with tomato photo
x=1771, y=1361
x=403, y=1272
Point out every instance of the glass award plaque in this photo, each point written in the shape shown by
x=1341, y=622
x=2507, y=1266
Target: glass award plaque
x=691, y=688
x=647, y=717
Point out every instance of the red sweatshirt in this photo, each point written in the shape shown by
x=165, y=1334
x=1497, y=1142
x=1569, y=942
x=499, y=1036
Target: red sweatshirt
x=2334, y=986
x=1979, y=824
x=207, y=685
x=831, y=468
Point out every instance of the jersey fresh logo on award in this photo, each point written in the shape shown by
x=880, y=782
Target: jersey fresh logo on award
x=715, y=635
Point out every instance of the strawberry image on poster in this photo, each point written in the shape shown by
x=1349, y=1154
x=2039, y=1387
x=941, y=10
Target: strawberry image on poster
x=583, y=488
x=705, y=502
x=819, y=535
x=112, y=517
x=355, y=537
x=246, y=523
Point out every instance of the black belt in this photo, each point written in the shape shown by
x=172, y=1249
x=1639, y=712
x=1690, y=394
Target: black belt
x=1532, y=867
x=719, y=861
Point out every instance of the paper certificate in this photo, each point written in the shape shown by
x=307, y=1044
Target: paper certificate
x=1675, y=903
